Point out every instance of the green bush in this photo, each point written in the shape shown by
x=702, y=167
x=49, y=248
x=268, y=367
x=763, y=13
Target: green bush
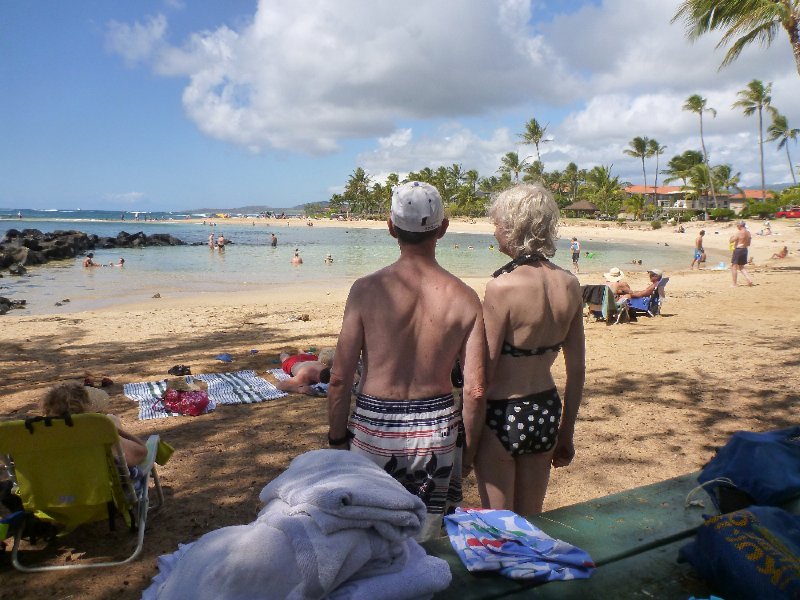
x=655, y=224
x=722, y=214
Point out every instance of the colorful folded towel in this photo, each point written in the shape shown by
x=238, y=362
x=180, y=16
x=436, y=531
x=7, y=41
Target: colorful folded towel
x=503, y=541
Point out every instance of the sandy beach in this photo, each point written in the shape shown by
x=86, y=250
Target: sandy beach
x=661, y=394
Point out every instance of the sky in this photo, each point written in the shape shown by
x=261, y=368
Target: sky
x=174, y=105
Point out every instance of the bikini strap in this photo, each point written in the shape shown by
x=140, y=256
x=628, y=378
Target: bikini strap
x=517, y=352
x=524, y=259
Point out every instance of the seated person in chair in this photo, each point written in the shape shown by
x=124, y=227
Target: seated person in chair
x=615, y=280
x=74, y=398
x=655, y=277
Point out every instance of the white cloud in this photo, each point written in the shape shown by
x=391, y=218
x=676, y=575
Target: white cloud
x=306, y=75
x=124, y=197
x=138, y=42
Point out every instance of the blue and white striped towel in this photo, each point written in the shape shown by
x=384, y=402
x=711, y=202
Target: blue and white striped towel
x=242, y=387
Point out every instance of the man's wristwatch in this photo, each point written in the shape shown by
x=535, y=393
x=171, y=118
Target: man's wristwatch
x=338, y=441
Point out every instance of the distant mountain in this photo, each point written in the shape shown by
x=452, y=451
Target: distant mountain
x=248, y=210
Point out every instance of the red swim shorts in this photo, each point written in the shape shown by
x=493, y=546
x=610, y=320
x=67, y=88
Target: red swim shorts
x=296, y=358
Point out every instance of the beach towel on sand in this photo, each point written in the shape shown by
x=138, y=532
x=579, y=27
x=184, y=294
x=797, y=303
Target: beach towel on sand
x=241, y=387
x=313, y=548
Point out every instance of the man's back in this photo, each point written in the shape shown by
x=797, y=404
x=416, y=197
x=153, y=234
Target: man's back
x=416, y=319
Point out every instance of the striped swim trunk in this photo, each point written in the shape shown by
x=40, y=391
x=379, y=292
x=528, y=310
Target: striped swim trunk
x=419, y=443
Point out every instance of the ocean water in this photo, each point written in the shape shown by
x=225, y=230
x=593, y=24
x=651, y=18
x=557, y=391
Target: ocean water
x=250, y=263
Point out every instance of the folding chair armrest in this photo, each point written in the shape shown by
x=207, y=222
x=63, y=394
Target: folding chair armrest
x=152, y=448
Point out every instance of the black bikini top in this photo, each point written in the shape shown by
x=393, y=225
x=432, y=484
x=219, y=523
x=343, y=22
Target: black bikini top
x=517, y=352
x=524, y=259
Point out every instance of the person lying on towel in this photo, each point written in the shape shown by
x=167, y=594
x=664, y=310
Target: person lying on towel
x=306, y=371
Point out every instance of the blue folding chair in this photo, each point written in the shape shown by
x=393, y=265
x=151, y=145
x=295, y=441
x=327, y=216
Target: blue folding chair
x=649, y=305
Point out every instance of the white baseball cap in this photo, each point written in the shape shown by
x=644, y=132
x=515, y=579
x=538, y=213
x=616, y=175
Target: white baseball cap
x=417, y=207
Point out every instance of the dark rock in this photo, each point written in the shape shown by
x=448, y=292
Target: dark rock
x=7, y=305
x=17, y=269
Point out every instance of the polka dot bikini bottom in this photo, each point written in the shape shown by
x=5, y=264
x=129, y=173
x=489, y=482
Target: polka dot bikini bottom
x=526, y=425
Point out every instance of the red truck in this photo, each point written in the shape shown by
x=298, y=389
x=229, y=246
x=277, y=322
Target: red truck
x=789, y=213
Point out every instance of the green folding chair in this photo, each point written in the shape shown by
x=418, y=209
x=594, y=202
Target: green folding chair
x=71, y=470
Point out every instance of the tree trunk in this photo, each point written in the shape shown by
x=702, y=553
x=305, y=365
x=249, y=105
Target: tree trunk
x=789, y=158
x=708, y=168
x=761, y=152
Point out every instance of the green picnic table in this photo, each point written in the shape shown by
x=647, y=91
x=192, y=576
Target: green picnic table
x=633, y=537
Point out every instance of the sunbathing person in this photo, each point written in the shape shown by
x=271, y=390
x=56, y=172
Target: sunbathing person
x=782, y=254
x=74, y=398
x=306, y=371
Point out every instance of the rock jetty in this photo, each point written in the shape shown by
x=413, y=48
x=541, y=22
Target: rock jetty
x=32, y=247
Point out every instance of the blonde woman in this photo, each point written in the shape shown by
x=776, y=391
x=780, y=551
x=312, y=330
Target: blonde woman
x=532, y=312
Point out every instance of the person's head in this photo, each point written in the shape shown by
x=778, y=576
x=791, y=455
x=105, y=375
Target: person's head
x=574, y=239
x=741, y=224
x=702, y=232
x=526, y=220
x=326, y=355
x=69, y=398
x=655, y=274
x=121, y=261
x=90, y=255
x=614, y=274
x=417, y=212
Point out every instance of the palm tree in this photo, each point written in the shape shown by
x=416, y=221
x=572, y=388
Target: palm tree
x=755, y=98
x=655, y=149
x=744, y=22
x=512, y=165
x=356, y=192
x=725, y=179
x=679, y=166
x=640, y=148
x=697, y=104
x=604, y=189
x=779, y=130
x=534, y=135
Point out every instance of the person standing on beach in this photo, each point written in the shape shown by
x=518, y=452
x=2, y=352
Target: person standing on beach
x=408, y=323
x=221, y=242
x=699, y=252
x=274, y=241
x=740, y=242
x=575, y=247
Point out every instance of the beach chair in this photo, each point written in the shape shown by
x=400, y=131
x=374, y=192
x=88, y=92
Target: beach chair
x=68, y=471
x=651, y=305
x=599, y=302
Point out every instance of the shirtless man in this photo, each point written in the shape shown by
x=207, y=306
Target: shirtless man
x=740, y=242
x=409, y=322
x=306, y=370
x=699, y=252
x=297, y=259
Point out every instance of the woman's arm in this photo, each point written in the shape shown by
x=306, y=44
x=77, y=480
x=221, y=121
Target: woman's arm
x=575, y=362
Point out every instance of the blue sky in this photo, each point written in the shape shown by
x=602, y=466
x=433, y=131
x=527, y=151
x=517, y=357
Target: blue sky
x=170, y=105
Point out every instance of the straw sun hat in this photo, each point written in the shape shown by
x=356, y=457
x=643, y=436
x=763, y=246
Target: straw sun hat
x=614, y=274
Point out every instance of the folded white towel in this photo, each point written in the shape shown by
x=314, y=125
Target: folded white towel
x=280, y=556
x=342, y=490
x=421, y=577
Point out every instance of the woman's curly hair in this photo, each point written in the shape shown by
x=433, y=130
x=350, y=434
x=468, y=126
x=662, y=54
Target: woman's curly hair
x=528, y=215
